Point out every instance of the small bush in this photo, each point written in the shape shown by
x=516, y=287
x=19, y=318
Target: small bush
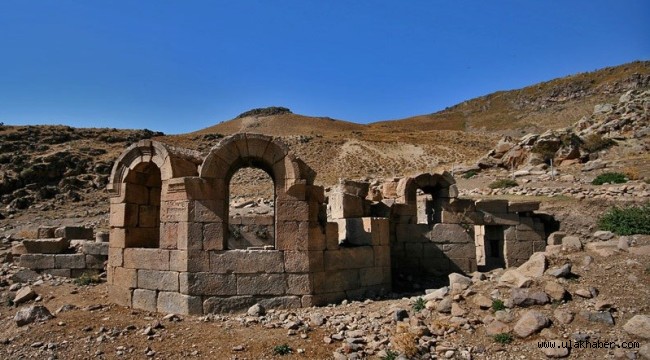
x=470, y=174
x=503, y=184
x=390, y=355
x=498, y=304
x=283, y=349
x=419, y=304
x=87, y=279
x=595, y=142
x=632, y=173
x=627, y=221
x=610, y=177
x=503, y=338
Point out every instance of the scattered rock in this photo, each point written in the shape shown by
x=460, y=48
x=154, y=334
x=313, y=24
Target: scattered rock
x=400, y=314
x=514, y=278
x=535, y=266
x=564, y=316
x=562, y=271
x=256, y=310
x=459, y=281
x=603, y=235
x=496, y=327
x=525, y=297
x=531, y=322
x=444, y=306
x=639, y=325
x=555, y=290
x=24, y=294
x=28, y=315
x=24, y=276
x=571, y=243
x=604, y=317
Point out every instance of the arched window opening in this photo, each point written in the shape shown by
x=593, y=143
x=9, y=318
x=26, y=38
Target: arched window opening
x=429, y=205
x=251, y=219
x=142, y=212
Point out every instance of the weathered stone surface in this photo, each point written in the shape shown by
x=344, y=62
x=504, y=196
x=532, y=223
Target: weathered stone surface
x=564, y=316
x=256, y=310
x=571, y=243
x=37, y=261
x=158, y=280
x=74, y=232
x=437, y=294
x=535, y=266
x=460, y=281
x=555, y=290
x=70, y=261
x=24, y=294
x=556, y=238
x=523, y=206
x=562, y=271
x=203, y=283
x=497, y=327
x=95, y=248
x=525, y=297
x=444, y=306
x=145, y=299
x=604, y=317
x=639, y=325
x=47, y=246
x=175, y=303
x=603, y=235
x=514, y=278
x=24, y=276
x=218, y=305
x=531, y=322
x=28, y=315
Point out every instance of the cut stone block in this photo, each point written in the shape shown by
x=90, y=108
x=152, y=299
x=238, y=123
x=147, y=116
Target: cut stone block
x=37, y=261
x=70, y=261
x=47, y=246
x=175, y=303
x=74, y=232
x=95, y=248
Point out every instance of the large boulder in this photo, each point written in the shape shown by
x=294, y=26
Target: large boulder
x=535, y=266
x=513, y=278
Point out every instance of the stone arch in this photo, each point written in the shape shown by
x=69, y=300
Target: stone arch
x=437, y=185
x=290, y=175
x=136, y=185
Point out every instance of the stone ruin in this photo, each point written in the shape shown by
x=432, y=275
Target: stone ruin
x=169, y=224
x=67, y=251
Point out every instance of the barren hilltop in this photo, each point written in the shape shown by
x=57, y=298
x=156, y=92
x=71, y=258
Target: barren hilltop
x=571, y=151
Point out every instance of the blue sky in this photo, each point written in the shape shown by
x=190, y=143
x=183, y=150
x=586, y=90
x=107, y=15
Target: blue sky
x=179, y=66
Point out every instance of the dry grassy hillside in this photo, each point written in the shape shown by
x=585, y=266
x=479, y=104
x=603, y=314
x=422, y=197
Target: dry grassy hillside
x=548, y=105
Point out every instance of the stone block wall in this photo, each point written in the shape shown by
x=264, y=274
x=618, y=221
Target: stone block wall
x=55, y=256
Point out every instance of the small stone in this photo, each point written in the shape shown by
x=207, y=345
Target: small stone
x=555, y=290
x=496, y=327
x=603, y=235
x=444, y=306
x=256, y=310
x=571, y=243
x=563, y=271
x=317, y=319
x=460, y=281
x=238, y=348
x=482, y=301
x=584, y=293
x=400, y=314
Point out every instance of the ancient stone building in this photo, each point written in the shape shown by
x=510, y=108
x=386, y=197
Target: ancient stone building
x=169, y=218
x=168, y=248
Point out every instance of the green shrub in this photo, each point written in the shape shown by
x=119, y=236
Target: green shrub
x=626, y=221
x=610, y=177
x=390, y=355
x=87, y=279
x=283, y=349
x=503, y=338
x=470, y=174
x=596, y=142
x=498, y=305
x=419, y=304
x=502, y=184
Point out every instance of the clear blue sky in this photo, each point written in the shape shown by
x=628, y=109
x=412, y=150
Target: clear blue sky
x=178, y=66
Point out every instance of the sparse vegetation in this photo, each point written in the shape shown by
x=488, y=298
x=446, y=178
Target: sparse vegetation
x=470, y=174
x=503, y=338
x=503, y=184
x=283, y=349
x=405, y=343
x=595, y=142
x=497, y=304
x=390, y=355
x=87, y=279
x=627, y=221
x=632, y=173
x=267, y=111
x=419, y=304
x=610, y=178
